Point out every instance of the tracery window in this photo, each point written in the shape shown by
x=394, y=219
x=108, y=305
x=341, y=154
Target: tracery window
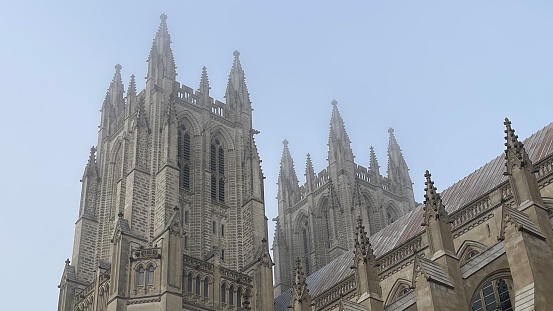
x=183, y=157
x=494, y=295
x=217, y=168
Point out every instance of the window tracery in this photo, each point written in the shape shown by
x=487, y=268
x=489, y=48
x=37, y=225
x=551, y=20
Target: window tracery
x=217, y=168
x=183, y=157
x=493, y=295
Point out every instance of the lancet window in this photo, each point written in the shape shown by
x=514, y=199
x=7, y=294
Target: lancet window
x=183, y=157
x=217, y=168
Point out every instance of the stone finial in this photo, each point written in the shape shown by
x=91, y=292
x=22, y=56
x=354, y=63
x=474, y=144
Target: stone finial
x=120, y=214
x=285, y=142
x=118, y=67
x=391, y=131
x=67, y=262
x=334, y=102
x=163, y=17
x=236, y=53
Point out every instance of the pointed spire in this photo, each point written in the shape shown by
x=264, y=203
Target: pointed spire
x=338, y=140
x=433, y=206
x=204, y=83
x=301, y=300
x=398, y=172
x=309, y=173
x=114, y=95
x=287, y=171
x=520, y=169
x=131, y=91
x=373, y=166
x=161, y=62
x=237, y=93
x=363, y=249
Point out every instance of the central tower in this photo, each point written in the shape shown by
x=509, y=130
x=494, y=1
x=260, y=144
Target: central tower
x=172, y=202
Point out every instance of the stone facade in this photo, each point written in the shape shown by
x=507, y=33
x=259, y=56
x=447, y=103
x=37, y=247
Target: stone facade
x=172, y=213
x=315, y=220
x=485, y=244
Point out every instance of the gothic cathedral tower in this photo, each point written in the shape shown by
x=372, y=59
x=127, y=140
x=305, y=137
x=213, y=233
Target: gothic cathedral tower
x=172, y=213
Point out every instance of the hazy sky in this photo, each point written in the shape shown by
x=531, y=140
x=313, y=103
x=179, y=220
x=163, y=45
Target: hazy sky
x=444, y=75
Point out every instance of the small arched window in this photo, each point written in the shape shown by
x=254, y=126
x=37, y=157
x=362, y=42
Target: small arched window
x=140, y=276
x=305, y=238
x=206, y=287
x=150, y=279
x=494, y=295
x=231, y=295
x=217, y=168
x=239, y=297
x=189, y=282
x=198, y=286
x=224, y=293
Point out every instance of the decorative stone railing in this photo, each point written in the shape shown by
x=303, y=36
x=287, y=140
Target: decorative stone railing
x=146, y=253
x=344, y=288
x=474, y=210
x=388, y=261
x=236, y=276
x=197, y=263
x=188, y=95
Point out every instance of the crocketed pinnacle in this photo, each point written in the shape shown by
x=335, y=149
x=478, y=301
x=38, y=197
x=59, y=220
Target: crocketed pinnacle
x=309, y=171
x=338, y=140
x=161, y=61
x=363, y=247
x=373, y=164
x=514, y=148
x=204, y=83
x=237, y=92
x=287, y=171
x=397, y=167
x=131, y=91
x=433, y=206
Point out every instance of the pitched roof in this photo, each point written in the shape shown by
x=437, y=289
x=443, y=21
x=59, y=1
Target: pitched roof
x=350, y=305
x=489, y=176
x=433, y=271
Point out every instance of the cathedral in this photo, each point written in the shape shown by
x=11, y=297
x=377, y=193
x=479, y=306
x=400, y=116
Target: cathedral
x=172, y=215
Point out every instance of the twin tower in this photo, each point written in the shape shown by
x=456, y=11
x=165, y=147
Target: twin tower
x=172, y=213
x=316, y=220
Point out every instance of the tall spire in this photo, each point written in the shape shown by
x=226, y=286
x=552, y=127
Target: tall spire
x=338, y=140
x=288, y=184
x=520, y=169
x=237, y=93
x=398, y=172
x=161, y=62
x=204, y=83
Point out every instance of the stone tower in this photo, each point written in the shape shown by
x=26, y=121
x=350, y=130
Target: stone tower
x=315, y=220
x=172, y=213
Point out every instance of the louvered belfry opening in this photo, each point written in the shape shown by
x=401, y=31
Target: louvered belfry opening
x=183, y=155
x=217, y=168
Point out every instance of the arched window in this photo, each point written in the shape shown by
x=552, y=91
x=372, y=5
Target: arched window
x=494, y=295
x=217, y=168
x=206, y=287
x=305, y=238
x=140, y=276
x=239, y=297
x=223, y=293
x=198, y=286
x=150, y=279
x=231, y=295
x=183, y=157
x=189, y=282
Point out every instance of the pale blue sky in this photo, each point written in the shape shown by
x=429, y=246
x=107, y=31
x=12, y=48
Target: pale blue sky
x=443, y=74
